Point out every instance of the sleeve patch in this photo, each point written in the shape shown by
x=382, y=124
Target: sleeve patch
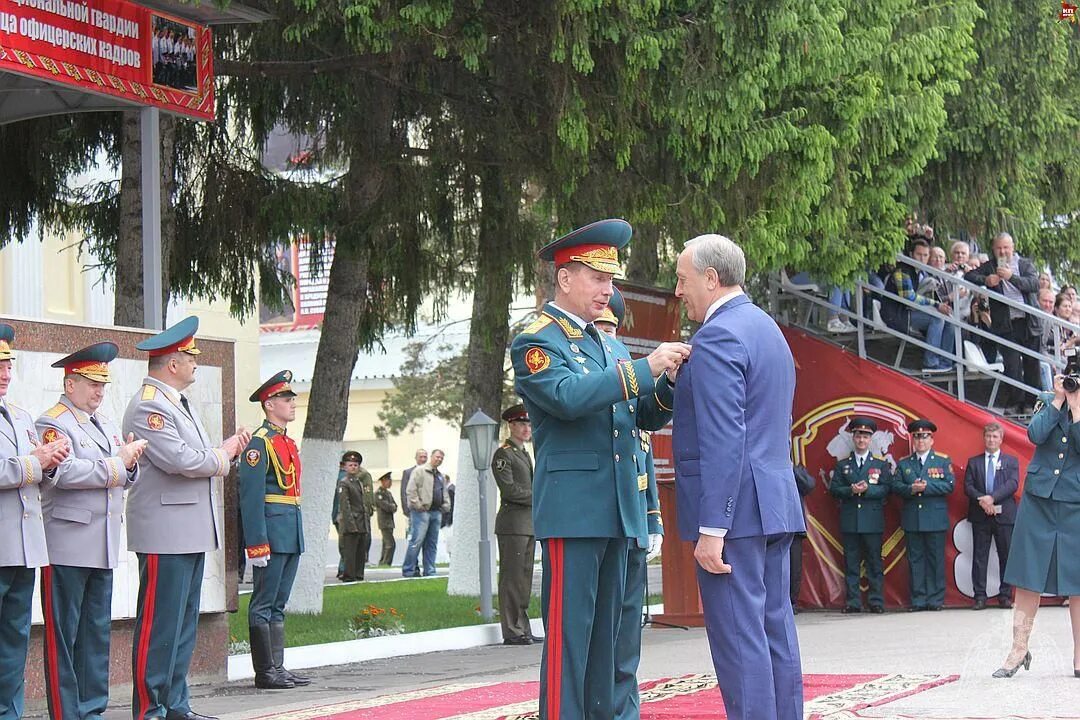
x=155, y=421
x=50, y=435
x=536, y=359
x=253, y=457
x=500, y=463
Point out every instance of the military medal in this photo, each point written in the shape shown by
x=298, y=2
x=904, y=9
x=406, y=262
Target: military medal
x=580, y=359
x=574, y=348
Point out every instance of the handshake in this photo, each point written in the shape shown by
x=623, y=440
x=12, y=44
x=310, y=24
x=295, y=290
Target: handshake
x=668, y=358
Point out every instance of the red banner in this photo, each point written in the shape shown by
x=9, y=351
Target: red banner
x=111, y=47
x=833, y=385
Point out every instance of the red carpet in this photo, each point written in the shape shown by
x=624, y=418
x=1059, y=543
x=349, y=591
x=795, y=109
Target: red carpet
x=683, y=698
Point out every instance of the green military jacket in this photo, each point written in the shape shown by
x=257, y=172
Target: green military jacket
x=1054, y=471
x=353, y=504
x=862, y=513
x=269, y=482
x=387, y=506
x=588, y=401
x=513, y=469
x=649, y=494
x=926, y=511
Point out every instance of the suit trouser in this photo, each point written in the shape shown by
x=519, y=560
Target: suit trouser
x=628, y=640
x=271, y=587
x=796, y=567
x=863, y=548
x=581, y=599
x=755, y=648
x=352, y=548
x=926, y=562
x=389, y=545
x=982, y=533
x=164, y=635
x=516, y=553
x=76, y=603
x=16, y=597
x=1019, y=366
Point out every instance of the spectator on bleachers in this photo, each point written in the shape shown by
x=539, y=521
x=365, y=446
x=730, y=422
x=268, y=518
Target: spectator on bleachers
x=1070, y=291
x=979, y=316
x=838, y=297
x=1045, y=282
x=1059, y=306
x=1014, y=277
x=903, y=280
x=962, y=261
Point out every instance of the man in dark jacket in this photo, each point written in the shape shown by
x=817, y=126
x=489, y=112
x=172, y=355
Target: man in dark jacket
x=355, y=508
x=990, y=482
x=386, y=506
x=1009, y=275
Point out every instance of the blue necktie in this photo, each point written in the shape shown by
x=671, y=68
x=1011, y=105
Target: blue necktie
x=989, y=474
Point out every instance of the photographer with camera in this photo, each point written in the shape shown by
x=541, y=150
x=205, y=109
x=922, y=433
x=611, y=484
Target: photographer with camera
x=1046, y=538
x=1014, y=277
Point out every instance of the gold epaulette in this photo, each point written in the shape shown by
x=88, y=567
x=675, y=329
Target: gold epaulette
x=877, y=457
x=148, y=392
x=941, y=455
x=537, y=325
x=56, y=410
x=569, y=329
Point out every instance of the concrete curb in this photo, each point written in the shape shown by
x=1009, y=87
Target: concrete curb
x=353, y=651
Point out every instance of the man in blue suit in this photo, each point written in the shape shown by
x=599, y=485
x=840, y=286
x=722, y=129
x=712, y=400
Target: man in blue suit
x=588, y=403
x=732, y=453
x=990, y=482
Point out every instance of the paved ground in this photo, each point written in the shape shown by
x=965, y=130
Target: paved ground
x=969, y=644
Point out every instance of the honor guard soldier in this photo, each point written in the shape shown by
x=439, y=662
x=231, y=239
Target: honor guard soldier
x=386, y=506
x=588, y=401
x=83, y=513
x=173, y=520
x=925, y=480
x=628, y=641
x=25, y=465
x=862, y=481
x=513, y=470
x=273, y=529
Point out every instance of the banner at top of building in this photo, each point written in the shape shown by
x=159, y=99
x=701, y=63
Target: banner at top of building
x=111, y=47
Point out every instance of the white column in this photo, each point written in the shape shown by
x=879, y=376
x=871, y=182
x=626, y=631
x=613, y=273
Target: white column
x=24, y=277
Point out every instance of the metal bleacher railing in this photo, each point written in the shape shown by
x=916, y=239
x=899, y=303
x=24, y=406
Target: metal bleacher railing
x=971, y=370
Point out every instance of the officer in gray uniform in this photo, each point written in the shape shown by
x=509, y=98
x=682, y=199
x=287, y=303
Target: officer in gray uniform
x=513, y=470
x=83, y=512
x=173, y=519
x=25, y=465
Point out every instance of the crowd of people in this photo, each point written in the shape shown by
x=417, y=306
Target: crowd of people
x=173, y=55
x=1002, y=273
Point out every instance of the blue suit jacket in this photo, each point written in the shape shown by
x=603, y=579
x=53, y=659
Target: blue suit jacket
x=732, y=432
x=588, y=403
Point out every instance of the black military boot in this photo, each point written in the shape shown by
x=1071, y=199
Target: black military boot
x=267, y=676
x=277, y=648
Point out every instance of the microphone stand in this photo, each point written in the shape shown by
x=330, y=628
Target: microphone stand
x=646, y=616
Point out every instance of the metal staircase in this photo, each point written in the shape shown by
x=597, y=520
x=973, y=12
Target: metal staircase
x=974, y=378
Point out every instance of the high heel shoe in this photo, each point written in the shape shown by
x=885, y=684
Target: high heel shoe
x=1076, y=673
x=1004, y=672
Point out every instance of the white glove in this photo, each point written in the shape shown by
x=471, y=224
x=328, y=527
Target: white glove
x=656, y=542
x=260, y=561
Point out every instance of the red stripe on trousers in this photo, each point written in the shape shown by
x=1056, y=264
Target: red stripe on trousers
x=554, y=679
x=144, y=635
x=52, y=677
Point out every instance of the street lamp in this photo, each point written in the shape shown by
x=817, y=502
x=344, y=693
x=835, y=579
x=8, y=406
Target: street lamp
x=482, y=433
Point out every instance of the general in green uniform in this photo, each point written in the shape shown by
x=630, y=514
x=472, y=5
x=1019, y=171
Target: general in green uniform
x=861, y=481
x=513, y=470
x=588, y=401
x=273, y=529
x=925, y=480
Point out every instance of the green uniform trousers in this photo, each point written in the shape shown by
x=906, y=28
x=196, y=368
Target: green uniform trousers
x=516, y=553
x=628, y=642
x=926, y=561
x=863, y=549
x=16, y=597
x=582, y=602
x=76, y=603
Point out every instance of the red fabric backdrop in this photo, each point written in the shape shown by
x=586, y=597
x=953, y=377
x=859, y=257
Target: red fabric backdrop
x=833, y=385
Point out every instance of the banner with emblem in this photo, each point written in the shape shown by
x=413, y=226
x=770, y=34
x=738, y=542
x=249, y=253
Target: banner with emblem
x=111, y=47
x=832, y=385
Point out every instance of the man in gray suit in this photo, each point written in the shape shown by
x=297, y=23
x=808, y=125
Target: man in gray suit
x=173, y=519
x=24, y=464
x=82, y=514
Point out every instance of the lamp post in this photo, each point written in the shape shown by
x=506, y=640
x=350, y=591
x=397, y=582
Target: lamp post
x=482, y=432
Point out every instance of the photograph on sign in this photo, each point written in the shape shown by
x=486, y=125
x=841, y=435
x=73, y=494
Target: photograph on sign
x=173, y=47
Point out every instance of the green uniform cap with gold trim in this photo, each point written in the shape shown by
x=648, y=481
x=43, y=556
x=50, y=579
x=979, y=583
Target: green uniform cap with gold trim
x=595, y=245
x=91, y=362
x=7, y=342
x=179, y=338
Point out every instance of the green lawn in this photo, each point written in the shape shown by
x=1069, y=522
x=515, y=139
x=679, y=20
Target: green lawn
x=422, y=602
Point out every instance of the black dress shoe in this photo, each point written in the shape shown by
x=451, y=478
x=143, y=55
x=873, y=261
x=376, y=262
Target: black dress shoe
x=518, y=640
x=189, y=715
x=979, y=605
x=916, y=608
x=933, y=608
x=1005, y=603
x=850, y=609
x=537, y=638
x=876, y=609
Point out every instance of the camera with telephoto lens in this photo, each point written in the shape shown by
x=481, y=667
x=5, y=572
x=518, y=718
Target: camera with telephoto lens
x=1071, y=383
